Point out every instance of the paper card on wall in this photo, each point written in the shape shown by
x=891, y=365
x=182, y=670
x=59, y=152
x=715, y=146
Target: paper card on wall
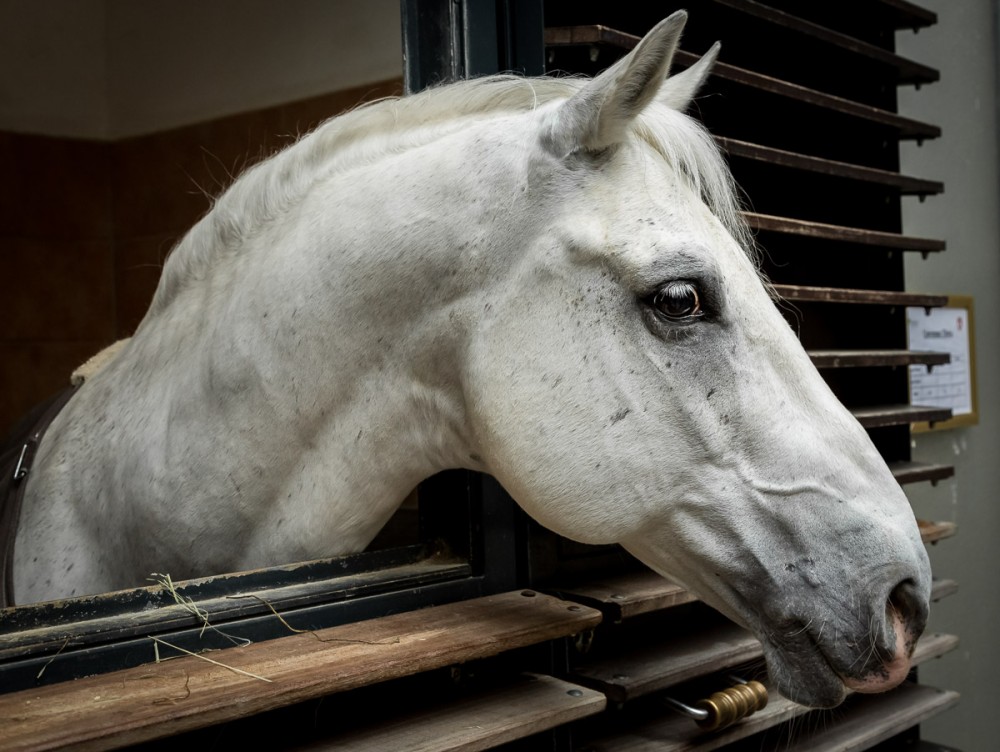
x=951, y=384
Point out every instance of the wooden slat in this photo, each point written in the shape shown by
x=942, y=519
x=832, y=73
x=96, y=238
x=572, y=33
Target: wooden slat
x=873, y=358
x=908, y=71
x=532, y=704
x=629, y=595
x=906, y=185
x=933, y=531
x=861, y=236
x=673, y=732
x=898, y=415
x=867, y=720
x=155, y=700
x=597, y=34
x=809, y=294
x=916, y=472
x=942, y=589
x=638, y=671
x=907, y=15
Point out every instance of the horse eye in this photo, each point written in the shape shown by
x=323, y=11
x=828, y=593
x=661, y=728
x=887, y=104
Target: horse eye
x=678, y=300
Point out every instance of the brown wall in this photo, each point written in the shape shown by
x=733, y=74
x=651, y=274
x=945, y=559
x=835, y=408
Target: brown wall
x=85, y=227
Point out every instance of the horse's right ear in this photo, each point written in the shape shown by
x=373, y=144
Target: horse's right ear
x=599, y=114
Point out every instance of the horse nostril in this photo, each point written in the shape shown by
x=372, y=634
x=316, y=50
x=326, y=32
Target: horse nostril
x=906, y=604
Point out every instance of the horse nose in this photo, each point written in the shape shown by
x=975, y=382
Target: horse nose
x=905, y=619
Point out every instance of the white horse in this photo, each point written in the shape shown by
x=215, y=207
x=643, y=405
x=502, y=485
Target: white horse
x=545, y=280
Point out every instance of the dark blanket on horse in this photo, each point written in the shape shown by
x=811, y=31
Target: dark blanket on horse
x=16, y=457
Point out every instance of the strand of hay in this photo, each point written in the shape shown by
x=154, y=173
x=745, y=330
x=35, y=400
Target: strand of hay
x=157, y=642
x=49, y=661
x=165, y=581
x=290, y=628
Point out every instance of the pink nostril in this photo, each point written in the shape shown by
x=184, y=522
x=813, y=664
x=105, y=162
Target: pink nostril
x=906, y=614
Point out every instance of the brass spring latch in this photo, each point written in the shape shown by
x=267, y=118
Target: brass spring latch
x=725, y=707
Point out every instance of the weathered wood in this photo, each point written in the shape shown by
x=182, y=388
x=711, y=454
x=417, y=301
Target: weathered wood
x=881, y=416
x=156, y=700
x=596, y=34
x=872, y=358
x=629, y=595
x=943, y=588
x=676, y=733
x=906, y=185
x=932, y=532
x=532, y=704
x=908, y=71
x=808, y=294
x=632, y=673
x=916, y=472
x=860, y=236
x=867, y=720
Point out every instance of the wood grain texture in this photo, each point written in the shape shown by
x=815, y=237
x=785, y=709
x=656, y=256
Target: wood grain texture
x=629, y=595
x=812, y=294
x=157, y=700
x=875, y=358
x=533, y=704
x=916, y=472
x=880, y=416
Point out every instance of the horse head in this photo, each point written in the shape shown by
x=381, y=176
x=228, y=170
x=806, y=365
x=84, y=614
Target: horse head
x=630, y=380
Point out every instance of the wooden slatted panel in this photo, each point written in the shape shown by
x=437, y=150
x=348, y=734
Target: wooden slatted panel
x=908, y=71
x=867, y=720
x=906, y=185
x=527, y=706
x=156, y=700
x=895, y=711
x=868, y=358
x=907, y=128
x=932, y=532
x=636, y=593
x=633, y=673
x=908, y=15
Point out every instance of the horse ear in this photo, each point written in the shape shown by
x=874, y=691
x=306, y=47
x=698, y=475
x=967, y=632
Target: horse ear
x=599, y=114
x=680, y=90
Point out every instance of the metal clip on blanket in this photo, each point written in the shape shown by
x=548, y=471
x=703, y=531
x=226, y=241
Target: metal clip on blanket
x=725, y=707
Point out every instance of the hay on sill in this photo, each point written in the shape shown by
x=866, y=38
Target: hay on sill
x=165, y=581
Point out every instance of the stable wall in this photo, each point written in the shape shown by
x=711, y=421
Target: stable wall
x=963, y=46
x=120, y=120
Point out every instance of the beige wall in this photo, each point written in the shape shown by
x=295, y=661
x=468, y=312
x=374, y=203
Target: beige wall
x=107, y=69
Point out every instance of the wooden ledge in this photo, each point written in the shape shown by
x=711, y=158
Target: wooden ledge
x=876, y=358
x=916, y=472
x=860, y=236
x=812, y=294
x=156, y=700
x=529, y=705
x=881, y=416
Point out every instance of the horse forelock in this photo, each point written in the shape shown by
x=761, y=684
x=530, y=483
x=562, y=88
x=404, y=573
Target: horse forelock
x=372, y=130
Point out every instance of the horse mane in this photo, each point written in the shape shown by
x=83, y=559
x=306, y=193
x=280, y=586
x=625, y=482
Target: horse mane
x=394, y=124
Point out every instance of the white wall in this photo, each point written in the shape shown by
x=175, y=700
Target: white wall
x=114, y=68
x=964, y=103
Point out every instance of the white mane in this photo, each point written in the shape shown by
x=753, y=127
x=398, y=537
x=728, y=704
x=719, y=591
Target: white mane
x=391, y=125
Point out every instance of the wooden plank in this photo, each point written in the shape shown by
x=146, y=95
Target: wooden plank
x=530, y=705
x=629, y=595
x=906, y=185
x=810, y=294
x=932, y=532
x=943, y=588
x=861, y=236
x=869, y=719
x=915, y=472
x=908, y=71
x=876, y=358
x=673, y=732
x=596, y=34
x=881, y=416
x=126, y=707
x=907, y=15
x=638, y=671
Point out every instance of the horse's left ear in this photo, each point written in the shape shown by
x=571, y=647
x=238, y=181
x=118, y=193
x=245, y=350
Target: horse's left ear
x=680, y=90
x=599, y=114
